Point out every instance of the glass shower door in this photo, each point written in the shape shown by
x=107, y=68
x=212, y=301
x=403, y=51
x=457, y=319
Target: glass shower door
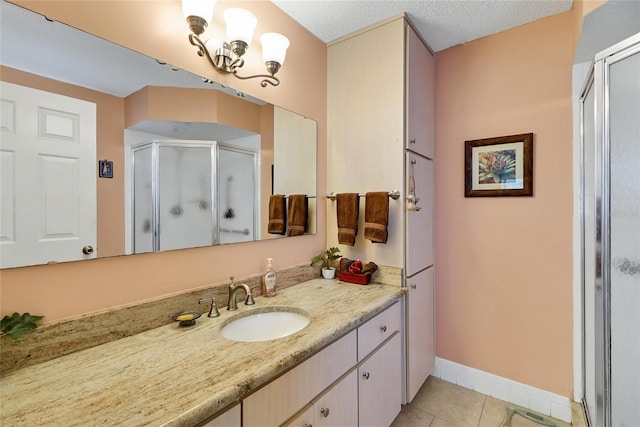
x=623, y=81
x=184, y=193
x=237, y=195
x=611, y=233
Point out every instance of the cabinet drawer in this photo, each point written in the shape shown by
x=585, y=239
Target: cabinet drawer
x=300, y=385
x=375, y=331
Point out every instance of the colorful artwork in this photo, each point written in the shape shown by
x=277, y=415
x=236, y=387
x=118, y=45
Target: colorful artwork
x=497, y=166
x=501, y=166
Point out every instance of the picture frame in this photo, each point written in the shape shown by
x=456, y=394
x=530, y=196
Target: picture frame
x=105, y=169
x=500, y=166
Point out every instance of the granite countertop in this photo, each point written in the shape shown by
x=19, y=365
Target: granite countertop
x=176, y=376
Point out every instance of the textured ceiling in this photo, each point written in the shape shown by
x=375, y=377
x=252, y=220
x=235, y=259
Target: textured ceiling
x=442, y=23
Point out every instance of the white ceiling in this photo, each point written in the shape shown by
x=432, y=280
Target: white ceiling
x=442, y=23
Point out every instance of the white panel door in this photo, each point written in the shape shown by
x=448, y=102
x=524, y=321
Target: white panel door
x=419, y=242
x=48, y=161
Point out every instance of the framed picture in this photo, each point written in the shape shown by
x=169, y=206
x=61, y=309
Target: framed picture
x=105, y=169
x=501, y=166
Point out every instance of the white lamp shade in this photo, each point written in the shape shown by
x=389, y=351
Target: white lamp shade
x=240, y=25
x=213, y=45
x=274, y=47
x=201, y=8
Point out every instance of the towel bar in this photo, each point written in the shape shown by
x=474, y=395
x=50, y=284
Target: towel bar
x=394, y=194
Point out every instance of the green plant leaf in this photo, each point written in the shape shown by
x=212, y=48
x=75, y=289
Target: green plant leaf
x=325, y=258
x=16, y=325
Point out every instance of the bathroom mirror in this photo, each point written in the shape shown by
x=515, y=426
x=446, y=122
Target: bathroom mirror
x=137, y=100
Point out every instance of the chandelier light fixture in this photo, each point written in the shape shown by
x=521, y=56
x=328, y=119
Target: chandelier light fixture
x=226, y=55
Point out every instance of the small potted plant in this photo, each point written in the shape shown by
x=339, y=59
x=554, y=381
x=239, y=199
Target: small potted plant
x=325, y=260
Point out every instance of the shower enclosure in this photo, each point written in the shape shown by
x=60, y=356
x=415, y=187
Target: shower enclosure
x=188, y=194
x=611, y=236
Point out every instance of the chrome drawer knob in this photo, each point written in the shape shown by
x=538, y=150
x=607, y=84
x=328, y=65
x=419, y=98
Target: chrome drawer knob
x=365, y=376
x=324, y=412
x=383, y=328
x=413, y=286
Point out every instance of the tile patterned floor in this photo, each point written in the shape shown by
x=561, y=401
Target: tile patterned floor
x=442, y=404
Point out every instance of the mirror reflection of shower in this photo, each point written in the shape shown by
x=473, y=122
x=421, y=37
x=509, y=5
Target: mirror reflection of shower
x=176, y=187
x=237, y=195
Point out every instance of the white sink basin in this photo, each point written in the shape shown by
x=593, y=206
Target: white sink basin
x=264, y=324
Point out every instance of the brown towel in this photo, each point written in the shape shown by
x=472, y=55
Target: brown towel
x=347, y=212
x=277, y=212
x=376, y=216
x=297, y=218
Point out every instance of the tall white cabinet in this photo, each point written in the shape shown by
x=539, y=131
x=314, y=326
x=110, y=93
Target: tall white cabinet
x=380, y=135
x=419, y=232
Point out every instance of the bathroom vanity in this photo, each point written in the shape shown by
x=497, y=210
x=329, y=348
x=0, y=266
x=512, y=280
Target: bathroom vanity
x=176, y=376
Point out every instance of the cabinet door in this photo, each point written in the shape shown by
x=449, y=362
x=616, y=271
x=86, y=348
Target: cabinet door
x=420, y=96
x=231, y=418
x=282, y=398
x=336, y=407
x=419, y=239
x=420, y=330
x=379, y=385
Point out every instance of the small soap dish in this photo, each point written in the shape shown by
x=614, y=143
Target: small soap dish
x=186, y=318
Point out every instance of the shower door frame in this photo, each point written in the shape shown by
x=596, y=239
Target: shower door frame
x=155, y=145
x=598, y=80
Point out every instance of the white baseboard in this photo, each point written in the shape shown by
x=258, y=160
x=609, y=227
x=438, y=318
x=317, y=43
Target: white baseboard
x=529, y=397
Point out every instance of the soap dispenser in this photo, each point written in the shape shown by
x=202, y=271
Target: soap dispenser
x=269, y=280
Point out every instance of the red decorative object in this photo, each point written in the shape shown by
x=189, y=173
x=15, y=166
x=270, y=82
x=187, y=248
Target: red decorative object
x=359, y=279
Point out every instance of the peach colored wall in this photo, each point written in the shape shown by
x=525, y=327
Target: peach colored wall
x=504, y=265
x=191, y=105
x=110, y=121
x=157, y=28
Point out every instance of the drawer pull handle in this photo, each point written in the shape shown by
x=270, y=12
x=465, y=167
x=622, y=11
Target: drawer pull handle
x=413, y=286
x=412, y=141
x=365, y=376
x=324, y=412
x=383, y=328
x=307, y=425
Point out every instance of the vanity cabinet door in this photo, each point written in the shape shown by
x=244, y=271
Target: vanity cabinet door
x=420, y=330
x=231, y=418
x=336, y=407
x=282, y=398
x=380, y=385
x=421, y=96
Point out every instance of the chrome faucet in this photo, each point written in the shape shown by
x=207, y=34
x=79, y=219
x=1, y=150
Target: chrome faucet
x=233, y=288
